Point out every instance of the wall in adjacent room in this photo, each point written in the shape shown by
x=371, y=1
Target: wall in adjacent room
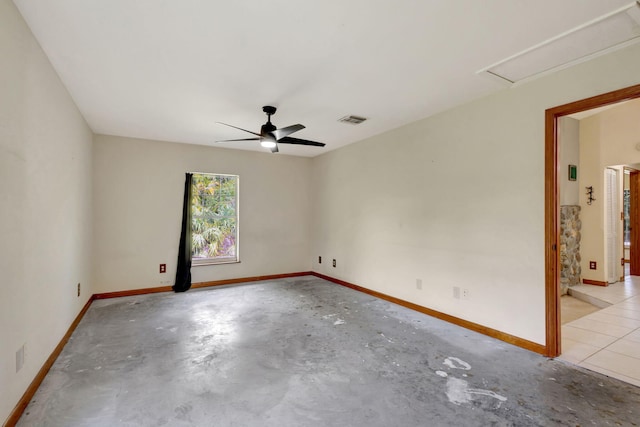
x=138, y=191
x=568, y=154
x=457, y=201
x=45, y=207
x=607, y=139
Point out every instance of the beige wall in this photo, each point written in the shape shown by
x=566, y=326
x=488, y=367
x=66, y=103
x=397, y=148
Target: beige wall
x=607, y=139
x=45, y=207
x=138, y=190
x=569, y=154
x=456, y=200
x=591, y=175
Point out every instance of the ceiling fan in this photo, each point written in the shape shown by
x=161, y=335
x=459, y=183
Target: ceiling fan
x=270, y=136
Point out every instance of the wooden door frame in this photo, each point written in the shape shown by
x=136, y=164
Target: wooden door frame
x=551, y=208
x=633, y=185
x=630, y=170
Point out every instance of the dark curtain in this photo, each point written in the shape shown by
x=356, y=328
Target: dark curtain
x=183, y=273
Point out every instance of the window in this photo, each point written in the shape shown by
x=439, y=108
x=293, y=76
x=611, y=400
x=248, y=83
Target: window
x=627, y=216
x=626, y=207
x=214, y=219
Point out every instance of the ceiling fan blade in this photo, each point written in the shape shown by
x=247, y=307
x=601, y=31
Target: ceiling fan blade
x=289, y=140
x=282, y=132
x=236, y=127
x=275, y=149
x=241, y=139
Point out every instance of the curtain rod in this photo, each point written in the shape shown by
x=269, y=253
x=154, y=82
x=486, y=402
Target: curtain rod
x=212, y=173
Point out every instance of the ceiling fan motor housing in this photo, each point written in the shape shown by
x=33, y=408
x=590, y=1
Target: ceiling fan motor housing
x=266, y=128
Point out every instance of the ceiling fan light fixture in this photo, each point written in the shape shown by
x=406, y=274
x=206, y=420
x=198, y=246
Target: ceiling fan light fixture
x=270, y=136
x=267, y=143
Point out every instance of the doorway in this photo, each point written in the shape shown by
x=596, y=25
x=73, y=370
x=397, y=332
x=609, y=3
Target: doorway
x=634, y=226
x=552, y=258
x=611, y=225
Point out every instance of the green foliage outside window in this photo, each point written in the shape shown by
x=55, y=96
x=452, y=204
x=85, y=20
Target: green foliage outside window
x=214, y=217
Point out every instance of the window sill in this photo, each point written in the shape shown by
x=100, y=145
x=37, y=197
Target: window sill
x=213, y=262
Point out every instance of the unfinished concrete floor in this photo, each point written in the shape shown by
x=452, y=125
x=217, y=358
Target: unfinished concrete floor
x=305, y=352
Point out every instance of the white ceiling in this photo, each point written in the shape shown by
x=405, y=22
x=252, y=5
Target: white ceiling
x=170, y=69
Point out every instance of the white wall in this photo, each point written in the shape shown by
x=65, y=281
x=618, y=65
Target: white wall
x=569, y=154
x=456, y=199
x=608, y=138
x=45, y=207
x=139, y=185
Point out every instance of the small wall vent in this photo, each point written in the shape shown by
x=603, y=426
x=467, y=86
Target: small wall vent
x=354, y=120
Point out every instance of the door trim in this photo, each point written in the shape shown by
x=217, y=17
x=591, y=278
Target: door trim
x=612, y=194
x=552, y=258
x=634, y=211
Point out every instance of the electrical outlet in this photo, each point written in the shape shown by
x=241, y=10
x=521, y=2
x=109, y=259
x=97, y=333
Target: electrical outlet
x=163, y=268
x=419, y=284
x=334, y=262
x=465, y=293
x=593, y=265
x=78, y=289
x=456, y=292
x=319, y=260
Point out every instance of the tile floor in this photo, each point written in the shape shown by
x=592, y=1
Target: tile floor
x=574, y=308
x=607, y=340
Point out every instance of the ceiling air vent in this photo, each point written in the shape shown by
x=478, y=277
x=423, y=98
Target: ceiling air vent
x=614, y=30
x=354, y=120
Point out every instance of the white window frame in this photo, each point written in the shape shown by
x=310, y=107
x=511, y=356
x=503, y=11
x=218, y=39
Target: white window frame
x=222, y=260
